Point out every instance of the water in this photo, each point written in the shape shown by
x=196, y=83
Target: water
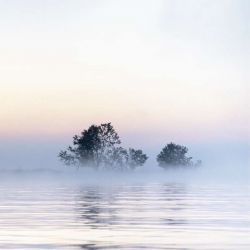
x=150, y=215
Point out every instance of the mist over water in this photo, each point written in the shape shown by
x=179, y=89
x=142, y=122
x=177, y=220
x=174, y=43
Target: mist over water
x=226, y=158
x=206, y=174
x=38, y=162
x=114, y=211
x=45, y=205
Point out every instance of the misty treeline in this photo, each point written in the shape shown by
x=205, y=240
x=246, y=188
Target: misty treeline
x=99, y=147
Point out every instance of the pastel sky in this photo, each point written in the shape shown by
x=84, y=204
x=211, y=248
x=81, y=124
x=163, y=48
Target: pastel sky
x=155, y=69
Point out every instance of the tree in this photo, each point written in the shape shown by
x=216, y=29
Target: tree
x=118, y=159
x=136, y=158
x=174, y=155
x=99, y=147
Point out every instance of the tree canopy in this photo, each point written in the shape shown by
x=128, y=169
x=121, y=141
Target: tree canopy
x=174, y=155
x=99, y=147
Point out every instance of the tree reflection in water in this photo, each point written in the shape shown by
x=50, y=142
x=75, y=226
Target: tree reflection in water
x=118, y=207
x=174, y=196
x=96, y=207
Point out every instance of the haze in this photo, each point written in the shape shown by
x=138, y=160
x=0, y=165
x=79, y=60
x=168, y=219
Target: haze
x=160, y=71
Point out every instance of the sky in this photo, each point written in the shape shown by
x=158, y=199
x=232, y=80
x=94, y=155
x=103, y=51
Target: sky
x=160, y=71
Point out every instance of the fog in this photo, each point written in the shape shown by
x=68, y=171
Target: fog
x=46, y=205
x=26, y=159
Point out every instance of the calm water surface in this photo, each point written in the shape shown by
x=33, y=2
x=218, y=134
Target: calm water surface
x=124, y=216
